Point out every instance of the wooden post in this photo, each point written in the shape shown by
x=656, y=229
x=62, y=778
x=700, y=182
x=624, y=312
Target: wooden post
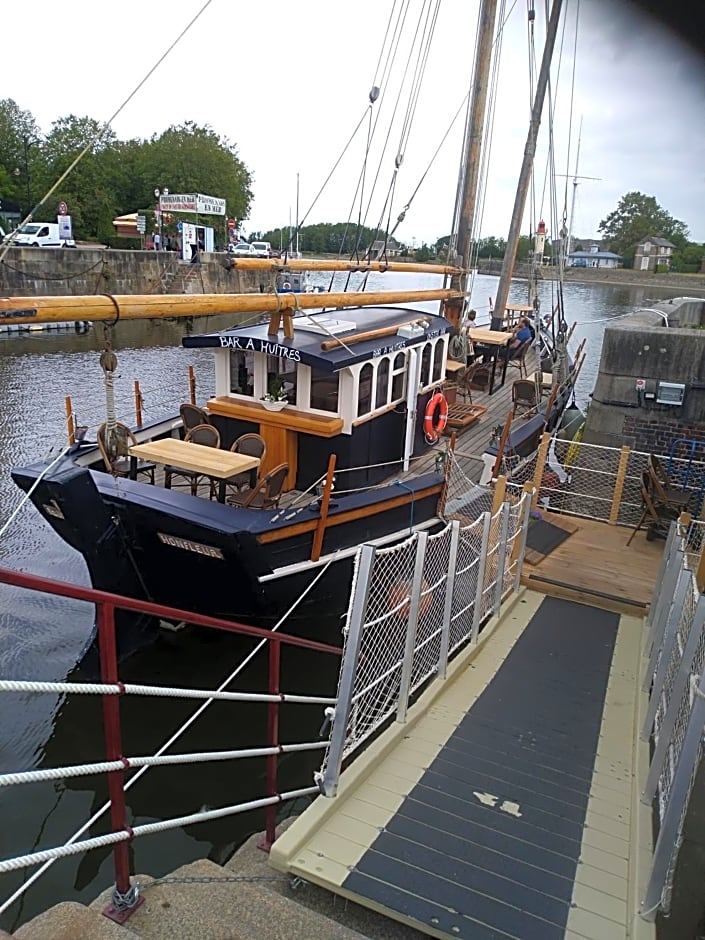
x=192, y=384
x=619, y=484
x=528, y=487
x=500, y=489
x=502, y=443
x=70, y=421
x=138, y=404
x=540, y=466
x=325, y=500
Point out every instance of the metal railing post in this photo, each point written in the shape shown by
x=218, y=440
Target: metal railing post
x=272, y=741
x=668, y=835
x=501, y=559
x=665, y=558
x=659, y=625
x=412, y=624
x=125, y=898
x=481, y=569
x=667, y=644
x=680, y=685
x=448, y=606
x=528, y=496
x=328, y=780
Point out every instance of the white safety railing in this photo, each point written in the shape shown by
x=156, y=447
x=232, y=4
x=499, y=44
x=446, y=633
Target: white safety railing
x=127, y=763
x=411, y=606
x=603, y=483
x=675, y=719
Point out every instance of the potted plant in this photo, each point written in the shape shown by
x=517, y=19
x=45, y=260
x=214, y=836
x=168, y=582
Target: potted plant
x=275, y=399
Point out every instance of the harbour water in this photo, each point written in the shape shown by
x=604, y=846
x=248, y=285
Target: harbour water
x=45, y=638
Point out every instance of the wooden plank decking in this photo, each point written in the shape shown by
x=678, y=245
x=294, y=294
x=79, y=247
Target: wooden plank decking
x=594, y=565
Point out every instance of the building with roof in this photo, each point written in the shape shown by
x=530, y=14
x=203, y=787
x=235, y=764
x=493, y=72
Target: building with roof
x=651, y=252
x=594, y=258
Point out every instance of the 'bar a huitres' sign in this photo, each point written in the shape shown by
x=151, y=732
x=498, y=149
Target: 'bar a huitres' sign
x=192, y=202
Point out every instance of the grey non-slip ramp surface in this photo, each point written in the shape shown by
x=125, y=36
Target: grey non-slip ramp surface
x=486, y=845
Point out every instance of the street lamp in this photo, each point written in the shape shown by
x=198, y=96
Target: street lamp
x=158, y=193
x=17, y=172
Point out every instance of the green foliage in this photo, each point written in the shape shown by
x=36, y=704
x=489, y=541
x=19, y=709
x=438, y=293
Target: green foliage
x=688, y=259
x=637, y=216
x=340, y=238
x=114, y=177
x=491, y=247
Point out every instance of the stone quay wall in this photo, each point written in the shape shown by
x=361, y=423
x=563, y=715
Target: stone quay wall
x=27, y=272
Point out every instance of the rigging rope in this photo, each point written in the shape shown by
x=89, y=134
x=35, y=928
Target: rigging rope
x=95, y=139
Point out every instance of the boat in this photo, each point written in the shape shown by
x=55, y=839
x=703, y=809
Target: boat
x=346, y=396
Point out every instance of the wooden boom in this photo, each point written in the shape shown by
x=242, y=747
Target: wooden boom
x=154, y=306
x=311, y=264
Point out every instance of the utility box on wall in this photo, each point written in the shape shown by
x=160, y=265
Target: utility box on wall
x=670, y=393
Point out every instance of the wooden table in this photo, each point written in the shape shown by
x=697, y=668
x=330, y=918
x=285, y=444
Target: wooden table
x=210, y=461
x=496, y=340
x=514, y=311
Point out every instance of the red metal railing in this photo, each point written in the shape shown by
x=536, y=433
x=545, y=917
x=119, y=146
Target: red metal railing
x=106, y=605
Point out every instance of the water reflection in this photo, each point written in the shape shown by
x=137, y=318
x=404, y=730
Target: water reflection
x=43, y=638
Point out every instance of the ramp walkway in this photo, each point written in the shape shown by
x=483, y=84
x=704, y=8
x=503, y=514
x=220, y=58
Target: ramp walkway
x=505, y=805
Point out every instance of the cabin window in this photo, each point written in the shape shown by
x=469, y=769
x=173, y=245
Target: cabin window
x=398, y=373
x=364, y=391
x=437, y=362
x=281, y=375
x=324, y=390
x=382, y=384
x=426, y=364
x=242, y=372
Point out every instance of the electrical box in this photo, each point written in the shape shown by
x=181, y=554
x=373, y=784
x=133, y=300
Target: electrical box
x=670, y=393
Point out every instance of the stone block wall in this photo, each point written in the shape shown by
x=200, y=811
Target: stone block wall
x=27, y=272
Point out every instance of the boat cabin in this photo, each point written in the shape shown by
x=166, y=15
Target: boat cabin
x=352, y=382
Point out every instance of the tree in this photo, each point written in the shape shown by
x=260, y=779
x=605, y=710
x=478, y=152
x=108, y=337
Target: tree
x=637, y=216
x=18, y=133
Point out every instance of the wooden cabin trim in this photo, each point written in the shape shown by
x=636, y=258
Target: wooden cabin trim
x=361, y=512
x=290, y=418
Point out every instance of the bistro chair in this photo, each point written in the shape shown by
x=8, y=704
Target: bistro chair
x=517, y=357
x=207, y=436
x=525, y=396
x=266, y=494
x=113, y=446
x=254, y=446
x=192, y=416
x=476, y=377
x=664, y=491
x=657, y=515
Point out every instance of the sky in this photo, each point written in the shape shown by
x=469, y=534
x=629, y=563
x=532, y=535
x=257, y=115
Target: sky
x=288, y=83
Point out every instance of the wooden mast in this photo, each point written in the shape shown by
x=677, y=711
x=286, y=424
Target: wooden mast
x=510, y=253
x=453, y=310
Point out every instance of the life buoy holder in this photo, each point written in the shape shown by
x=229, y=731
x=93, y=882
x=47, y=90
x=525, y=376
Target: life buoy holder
x=436, y=417
x=286, y=286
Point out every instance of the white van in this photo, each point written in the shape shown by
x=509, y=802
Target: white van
x=261, y=249
x=42, y=235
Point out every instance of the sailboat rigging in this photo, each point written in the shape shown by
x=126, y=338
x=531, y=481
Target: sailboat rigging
x=323, y=431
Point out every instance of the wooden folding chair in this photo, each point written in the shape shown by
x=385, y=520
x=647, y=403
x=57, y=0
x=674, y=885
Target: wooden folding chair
x=657, y=514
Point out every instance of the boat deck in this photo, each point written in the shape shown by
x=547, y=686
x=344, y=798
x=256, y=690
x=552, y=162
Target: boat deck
x=505, y=806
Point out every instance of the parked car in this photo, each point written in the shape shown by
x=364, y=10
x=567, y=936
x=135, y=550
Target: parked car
x=242, y=249
x=42, y=235
x=262, y=249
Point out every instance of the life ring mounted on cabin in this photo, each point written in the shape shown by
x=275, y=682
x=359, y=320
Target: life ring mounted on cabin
x=286, y=286
x=436, y=417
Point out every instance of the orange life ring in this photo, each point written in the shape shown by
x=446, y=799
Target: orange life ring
x=436, y=417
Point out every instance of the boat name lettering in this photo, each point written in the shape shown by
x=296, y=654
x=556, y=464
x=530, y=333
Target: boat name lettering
x=394, y=347
x=175, y=542
x=261, y=345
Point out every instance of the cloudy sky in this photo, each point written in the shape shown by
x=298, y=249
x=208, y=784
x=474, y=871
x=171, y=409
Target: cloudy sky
x=288, y=82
